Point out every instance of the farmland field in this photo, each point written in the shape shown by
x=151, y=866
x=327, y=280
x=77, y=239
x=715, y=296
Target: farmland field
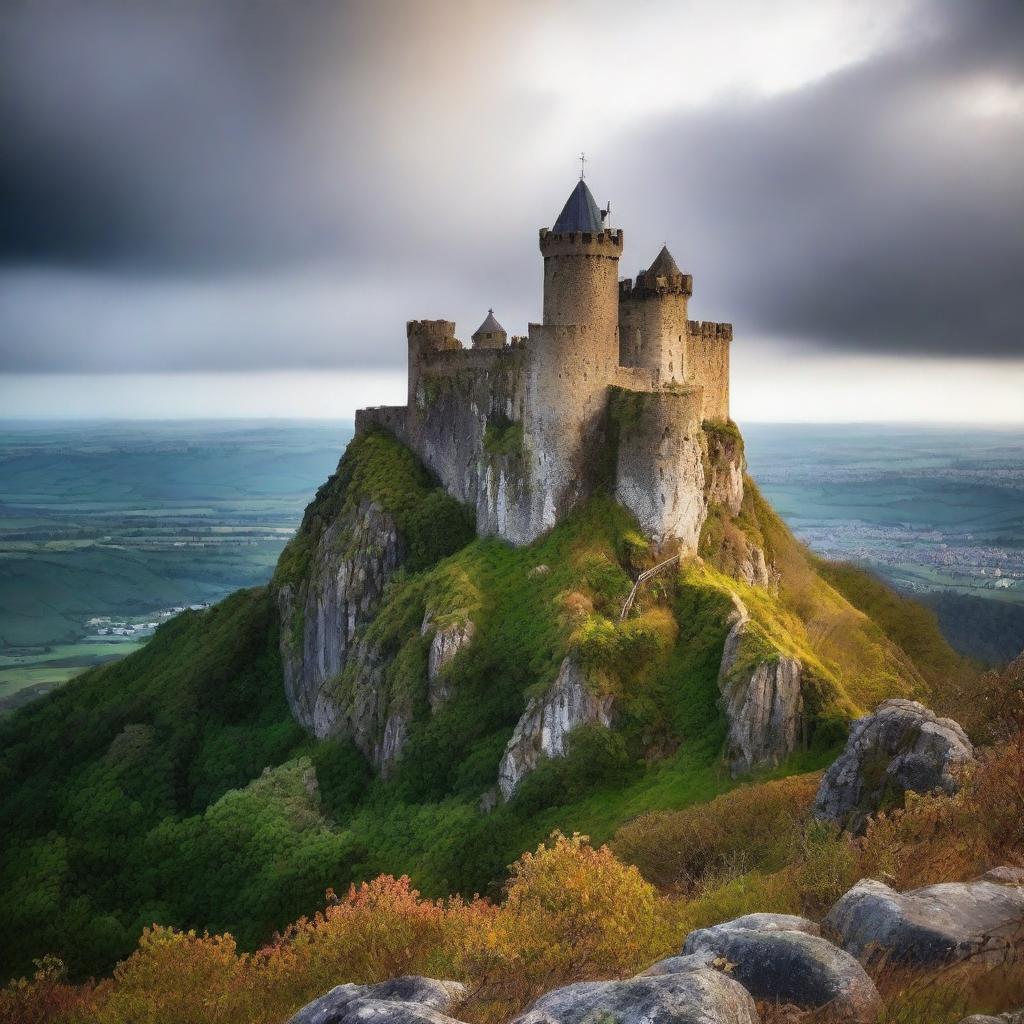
x=108, y=528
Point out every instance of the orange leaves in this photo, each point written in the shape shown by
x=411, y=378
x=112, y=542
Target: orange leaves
x=571, y=912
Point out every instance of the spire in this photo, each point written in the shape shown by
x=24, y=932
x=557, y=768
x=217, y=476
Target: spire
x=664, y=265
x=490, y=334
x=489, y=326
x=580, y=212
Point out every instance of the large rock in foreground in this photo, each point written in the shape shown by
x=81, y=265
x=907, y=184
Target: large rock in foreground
x=1013, y=1017
x=407, y=1000
x=781, y=959
x=700, y=995
x=900, y=746
x=932, y=925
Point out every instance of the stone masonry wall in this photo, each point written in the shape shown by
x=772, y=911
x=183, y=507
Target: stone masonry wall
x=708, y=364
x=659, y=467
x=581, y=282
x=652, y=334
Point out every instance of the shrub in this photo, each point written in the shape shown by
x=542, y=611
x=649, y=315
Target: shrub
x=756, y=826
x=571, y=912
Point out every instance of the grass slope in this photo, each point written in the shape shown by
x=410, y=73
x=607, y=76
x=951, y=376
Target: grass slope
x=174, y=787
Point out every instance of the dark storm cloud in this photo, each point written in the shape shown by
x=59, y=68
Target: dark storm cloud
x=156, y=136
x=261, y=184
x=880, y=209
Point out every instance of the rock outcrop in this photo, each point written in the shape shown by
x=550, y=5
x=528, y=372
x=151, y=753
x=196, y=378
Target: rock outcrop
x=407, y=1000
x=1013, y=1017
x=762, y=698
x=354, y=557
x=546, y=723
x=446, y=642
x=700, y=995
x=900, y=746
x=929, y=926
x=780, y=959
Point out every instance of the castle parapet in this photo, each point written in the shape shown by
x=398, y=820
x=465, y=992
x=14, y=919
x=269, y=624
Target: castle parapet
x=582, y=243
x=709, y=329
x=436, y=335
x=650, y=285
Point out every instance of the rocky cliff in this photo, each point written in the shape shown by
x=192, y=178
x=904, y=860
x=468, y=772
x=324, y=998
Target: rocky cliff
x=374, y=619
x=380, y=513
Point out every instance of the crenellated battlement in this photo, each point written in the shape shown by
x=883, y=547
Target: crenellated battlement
x=649, y=286
x=436, y=334
x=581, y=243
x=709, y=329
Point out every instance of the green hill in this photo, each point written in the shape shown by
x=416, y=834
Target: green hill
x=176, y=787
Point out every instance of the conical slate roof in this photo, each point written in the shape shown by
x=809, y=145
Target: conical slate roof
x=489, y=326
x=663, y=265
x=580, y=212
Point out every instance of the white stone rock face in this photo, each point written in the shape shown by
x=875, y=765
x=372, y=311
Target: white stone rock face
x=354, y=559
x=763, y=701
x=901, y=746
x=446, y=643
x=547, y=721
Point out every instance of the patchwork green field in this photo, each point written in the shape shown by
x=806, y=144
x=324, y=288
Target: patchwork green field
x=109, y=528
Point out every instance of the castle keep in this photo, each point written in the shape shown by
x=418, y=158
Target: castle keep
x=612, y=389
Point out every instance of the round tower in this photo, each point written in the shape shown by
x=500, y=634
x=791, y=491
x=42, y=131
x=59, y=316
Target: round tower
x=581, y=270
x=490, y=334
x=653, y=319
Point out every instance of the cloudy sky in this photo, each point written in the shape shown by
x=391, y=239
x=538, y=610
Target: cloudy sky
x=230, y=207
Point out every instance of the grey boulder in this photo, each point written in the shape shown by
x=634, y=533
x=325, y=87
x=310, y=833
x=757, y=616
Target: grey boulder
x=791, y=965
x=1014, y=1017
x=698, y=995
x=901, y=746
x=928, y=926
x=410, y=999
x=675, y=965
x=763, y=923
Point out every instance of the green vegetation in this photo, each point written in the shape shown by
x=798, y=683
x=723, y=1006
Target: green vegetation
x=174, y=787
x=104, y=784
x=503, y=436
x=379, y=469
x=980, y=627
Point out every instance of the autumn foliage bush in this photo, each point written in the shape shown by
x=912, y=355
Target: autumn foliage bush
x=753, y=827
x=570, y=911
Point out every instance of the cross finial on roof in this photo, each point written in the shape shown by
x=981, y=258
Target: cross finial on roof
x=583, y=160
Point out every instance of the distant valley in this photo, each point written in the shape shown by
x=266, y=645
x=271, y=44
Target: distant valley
x=106, y=527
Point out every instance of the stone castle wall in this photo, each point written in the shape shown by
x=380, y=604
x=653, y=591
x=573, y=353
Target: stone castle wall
x=708, y=364
x=652, y=333
x=520, y=431
x=659, y=473
x=581, y=281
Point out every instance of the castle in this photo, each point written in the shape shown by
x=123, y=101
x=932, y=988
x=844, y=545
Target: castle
x=613, y=389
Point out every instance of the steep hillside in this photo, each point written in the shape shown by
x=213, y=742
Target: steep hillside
x=459, y=716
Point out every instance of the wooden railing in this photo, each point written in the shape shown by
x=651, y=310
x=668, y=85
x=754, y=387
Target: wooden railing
x=641, y=580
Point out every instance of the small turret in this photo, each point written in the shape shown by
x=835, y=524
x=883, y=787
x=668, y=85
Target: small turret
x=490, y=334
x=652, y=319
